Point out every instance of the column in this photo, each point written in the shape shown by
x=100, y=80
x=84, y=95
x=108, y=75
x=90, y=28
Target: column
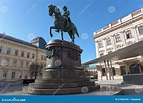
x=99, y=71
x=109, y=70
x=123, y=37
x=113, y=42
x=104, y=46
x=134, y=34
x=106, y=70
x=127, y=69
x=97, y=49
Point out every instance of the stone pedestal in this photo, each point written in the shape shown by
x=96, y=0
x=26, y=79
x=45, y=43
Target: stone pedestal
x=63, y=73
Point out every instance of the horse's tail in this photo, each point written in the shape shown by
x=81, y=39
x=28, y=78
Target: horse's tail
x=77, y=33
x=75, y=29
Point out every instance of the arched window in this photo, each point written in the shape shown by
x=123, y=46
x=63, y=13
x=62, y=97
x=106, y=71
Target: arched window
x=140, y=30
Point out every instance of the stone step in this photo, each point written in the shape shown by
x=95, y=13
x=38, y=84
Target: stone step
x=60, y=91
x=59, y=85
x=63, y=80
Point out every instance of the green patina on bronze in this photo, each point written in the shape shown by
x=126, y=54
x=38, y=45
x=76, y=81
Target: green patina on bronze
x=62, y=22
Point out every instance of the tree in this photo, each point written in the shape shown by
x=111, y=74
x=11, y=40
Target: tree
x=35, y=70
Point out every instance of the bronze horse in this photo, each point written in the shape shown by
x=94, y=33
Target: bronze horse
x=59, y=23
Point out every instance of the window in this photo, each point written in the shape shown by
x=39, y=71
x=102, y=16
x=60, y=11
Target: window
x=20, y=75
x=13, y=75
x=117, y=38
x=21, y=64
x=140, y=30
x=28, y=55
x=113, y=71
x=108, y=41
x=4, y=74
x=26, y=76
x=0, y=49
x=16, y=52
x=128, y=34
x=33, y=56
x=22, y=53
x=27, y=64
x=42, y=57
x=123, y=71
x=7, y=62
x=100, y=44
x=103, y=72
x=45, y=57
x=8, y=50
x=15, y=63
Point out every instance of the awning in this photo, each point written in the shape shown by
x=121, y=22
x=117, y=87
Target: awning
x=123, y=53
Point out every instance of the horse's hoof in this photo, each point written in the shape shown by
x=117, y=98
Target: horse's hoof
x=51, y=35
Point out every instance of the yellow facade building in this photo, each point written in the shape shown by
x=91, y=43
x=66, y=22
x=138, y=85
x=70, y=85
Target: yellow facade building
x=16, y=55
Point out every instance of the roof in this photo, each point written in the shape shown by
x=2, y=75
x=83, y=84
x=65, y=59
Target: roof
x=4, y=36
x=127, y=52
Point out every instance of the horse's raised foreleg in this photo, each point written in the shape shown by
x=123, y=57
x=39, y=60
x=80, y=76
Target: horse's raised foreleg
x=52, y=27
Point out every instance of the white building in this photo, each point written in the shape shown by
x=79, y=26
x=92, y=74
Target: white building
x=122, y=35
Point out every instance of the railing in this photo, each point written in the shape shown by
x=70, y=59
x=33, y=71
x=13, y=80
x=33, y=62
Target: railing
x=120, y=21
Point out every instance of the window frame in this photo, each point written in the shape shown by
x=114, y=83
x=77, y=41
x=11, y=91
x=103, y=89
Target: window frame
x=28, y=54
x=33, y=56
x=128, y=34
x=16, y=52
x=108, y=41
x=13, y=74
x=8, y=51
x=22, y=53
x=15, y=63
x=140, y=29
x=0, y=49
x=100, y=44
x=117, y=38
x=4, y=75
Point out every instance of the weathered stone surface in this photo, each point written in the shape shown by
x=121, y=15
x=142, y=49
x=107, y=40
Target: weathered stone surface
x=63, y=73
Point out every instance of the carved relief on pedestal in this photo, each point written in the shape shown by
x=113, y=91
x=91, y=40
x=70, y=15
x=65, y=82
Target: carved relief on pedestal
x=51, y=52
x=72, y=54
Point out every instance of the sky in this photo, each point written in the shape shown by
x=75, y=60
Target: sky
x=27, y=19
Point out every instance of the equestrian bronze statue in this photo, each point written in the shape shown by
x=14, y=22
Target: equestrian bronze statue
x=62, y=22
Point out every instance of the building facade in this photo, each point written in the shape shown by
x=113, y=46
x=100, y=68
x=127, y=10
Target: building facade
x=120, y=34
x=16, y=55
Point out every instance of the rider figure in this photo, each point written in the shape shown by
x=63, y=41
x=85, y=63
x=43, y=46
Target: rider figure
x=66, y=16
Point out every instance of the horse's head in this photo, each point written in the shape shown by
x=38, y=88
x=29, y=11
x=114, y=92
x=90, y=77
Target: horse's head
x=53, y=9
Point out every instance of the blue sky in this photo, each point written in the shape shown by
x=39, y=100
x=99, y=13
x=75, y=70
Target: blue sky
x=26, y=19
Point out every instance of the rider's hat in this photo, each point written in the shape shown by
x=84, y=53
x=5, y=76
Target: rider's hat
x=64, y=8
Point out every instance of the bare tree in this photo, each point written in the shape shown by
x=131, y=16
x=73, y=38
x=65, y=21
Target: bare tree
x=35, y=70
